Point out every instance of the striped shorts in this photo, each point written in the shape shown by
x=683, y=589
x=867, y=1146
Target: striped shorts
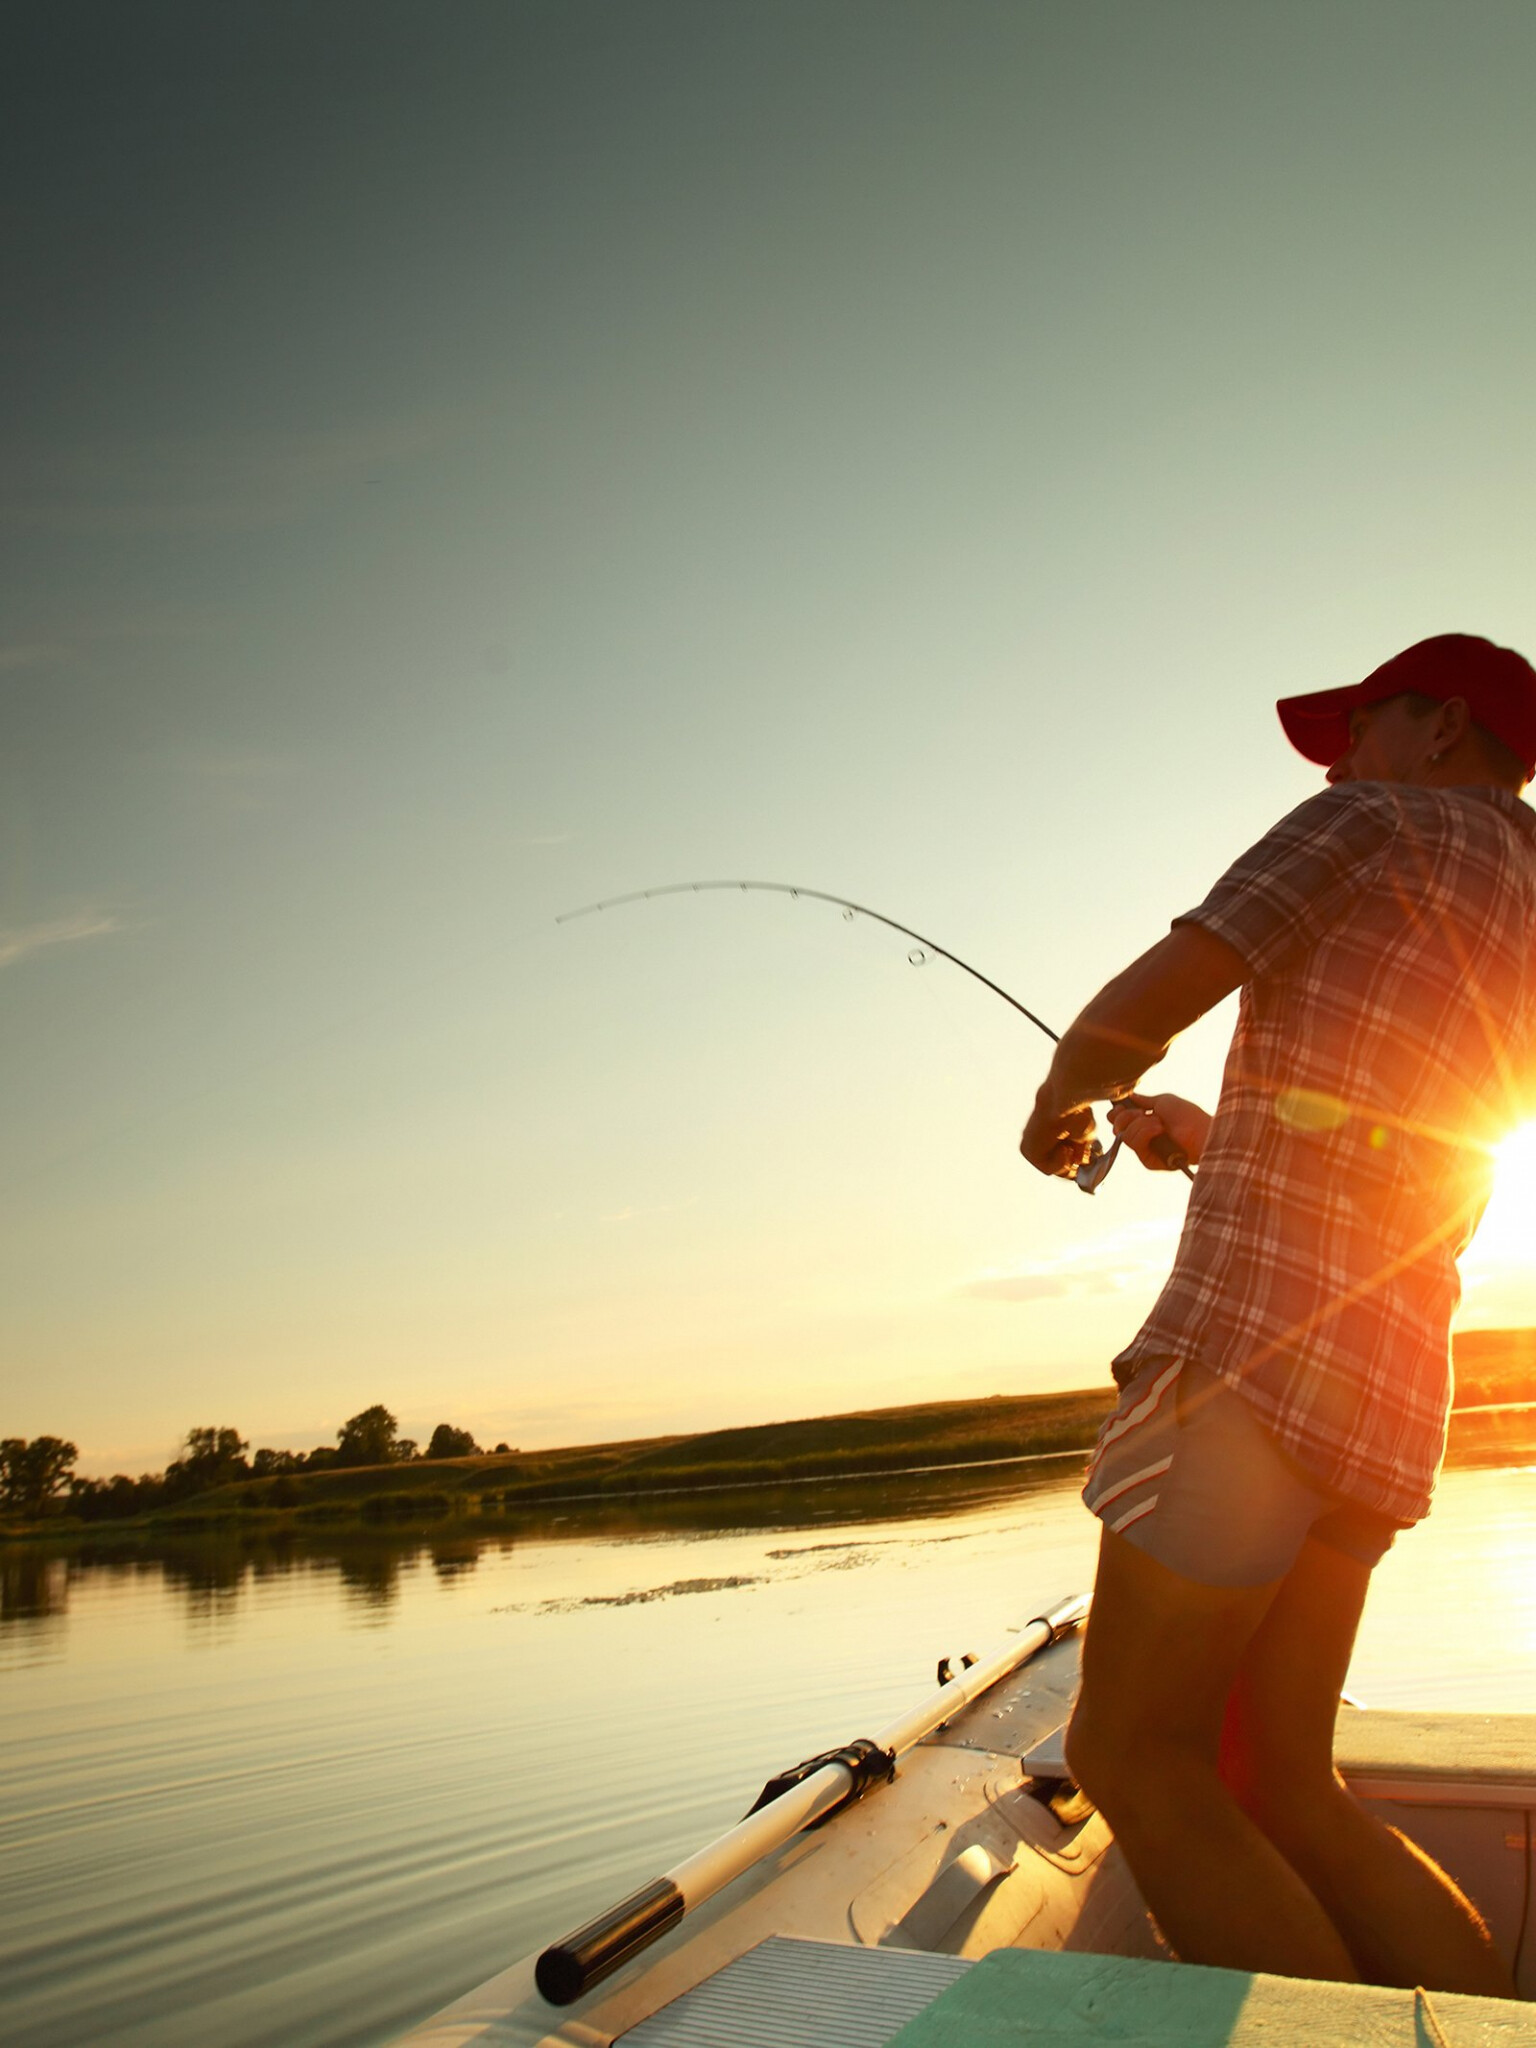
x=1186, y=1472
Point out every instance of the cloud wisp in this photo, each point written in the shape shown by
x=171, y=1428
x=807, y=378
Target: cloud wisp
x=19, y=942
x=235, y=781
x=229, y=482
x=28, y=654
x=1130, y=1257
x=631, y=1214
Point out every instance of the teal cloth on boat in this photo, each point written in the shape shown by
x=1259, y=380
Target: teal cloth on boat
x=1036, y=1998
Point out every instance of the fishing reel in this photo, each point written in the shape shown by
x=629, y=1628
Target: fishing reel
x=1098, y=1163
x=1095, y=1167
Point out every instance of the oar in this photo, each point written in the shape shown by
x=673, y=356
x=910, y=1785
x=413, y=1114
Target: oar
x=788, y=1804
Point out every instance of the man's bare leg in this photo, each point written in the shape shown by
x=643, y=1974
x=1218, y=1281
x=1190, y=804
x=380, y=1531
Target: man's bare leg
x=1159, y=1660
x=1402, y=1918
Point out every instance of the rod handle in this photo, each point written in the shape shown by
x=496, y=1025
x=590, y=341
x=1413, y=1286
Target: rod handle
x=570, y=1967
x=1171, y=1155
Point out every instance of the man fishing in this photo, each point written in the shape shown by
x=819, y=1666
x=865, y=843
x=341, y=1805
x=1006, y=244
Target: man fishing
x=1283, y=1408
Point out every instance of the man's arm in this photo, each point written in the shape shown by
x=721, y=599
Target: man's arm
x=1127, y=1028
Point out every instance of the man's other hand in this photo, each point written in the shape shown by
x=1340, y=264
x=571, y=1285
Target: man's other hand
x=1058, y=1141
x=1138, y=1119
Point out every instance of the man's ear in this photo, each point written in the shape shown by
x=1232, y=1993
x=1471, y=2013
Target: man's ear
x=1452, y=723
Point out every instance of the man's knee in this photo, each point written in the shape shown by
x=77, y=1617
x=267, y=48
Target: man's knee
x=1302, y=1811
x=1094, y=1759
x=1080, y=1751
x=1124, y=1772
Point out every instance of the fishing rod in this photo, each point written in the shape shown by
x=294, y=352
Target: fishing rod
x=1088, y=1176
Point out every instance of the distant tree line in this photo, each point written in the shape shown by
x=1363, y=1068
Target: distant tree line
x=38, y=1478
x=33, y=1474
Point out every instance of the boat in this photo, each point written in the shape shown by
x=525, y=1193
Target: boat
x=945, y=1882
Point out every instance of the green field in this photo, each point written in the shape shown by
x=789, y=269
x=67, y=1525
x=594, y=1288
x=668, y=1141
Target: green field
x=946, y=1433
x=1494, y=1422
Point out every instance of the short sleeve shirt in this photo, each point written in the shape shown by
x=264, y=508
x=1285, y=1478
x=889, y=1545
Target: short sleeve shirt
x=1386, y=1040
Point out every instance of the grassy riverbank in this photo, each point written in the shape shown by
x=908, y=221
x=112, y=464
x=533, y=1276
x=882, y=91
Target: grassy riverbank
x=497, y=1488
x=490, y=1487
x=1494, y=1423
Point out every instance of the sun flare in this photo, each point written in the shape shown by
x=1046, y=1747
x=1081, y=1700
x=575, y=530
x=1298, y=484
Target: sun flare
x=1506, y=1238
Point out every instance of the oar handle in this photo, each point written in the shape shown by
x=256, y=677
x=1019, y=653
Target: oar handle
x=574, y=1965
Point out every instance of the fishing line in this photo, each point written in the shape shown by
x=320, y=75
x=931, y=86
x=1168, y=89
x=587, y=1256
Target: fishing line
x=1088, y=1177
x=821, y=896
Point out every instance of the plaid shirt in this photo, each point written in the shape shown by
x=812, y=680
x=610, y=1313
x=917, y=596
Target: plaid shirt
x=1386, y=1039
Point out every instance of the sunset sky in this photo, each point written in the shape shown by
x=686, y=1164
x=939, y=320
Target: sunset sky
x=463, y=462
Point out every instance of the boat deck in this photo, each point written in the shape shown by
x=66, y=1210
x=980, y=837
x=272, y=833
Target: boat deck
x=808, y=1994
x=978, y=1902
x=802, y=1994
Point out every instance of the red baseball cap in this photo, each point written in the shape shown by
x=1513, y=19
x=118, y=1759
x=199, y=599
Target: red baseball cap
x=1499, y=687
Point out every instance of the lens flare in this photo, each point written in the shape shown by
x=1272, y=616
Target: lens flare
x=1506, y=1238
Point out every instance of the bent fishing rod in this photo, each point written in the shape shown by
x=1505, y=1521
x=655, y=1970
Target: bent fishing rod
x=1088, y=1176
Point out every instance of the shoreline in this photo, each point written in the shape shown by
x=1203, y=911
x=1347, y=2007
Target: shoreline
x=1483, y=1442
x=1495, y=1424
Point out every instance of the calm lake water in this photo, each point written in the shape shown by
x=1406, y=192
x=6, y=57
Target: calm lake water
x=307, y=1796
